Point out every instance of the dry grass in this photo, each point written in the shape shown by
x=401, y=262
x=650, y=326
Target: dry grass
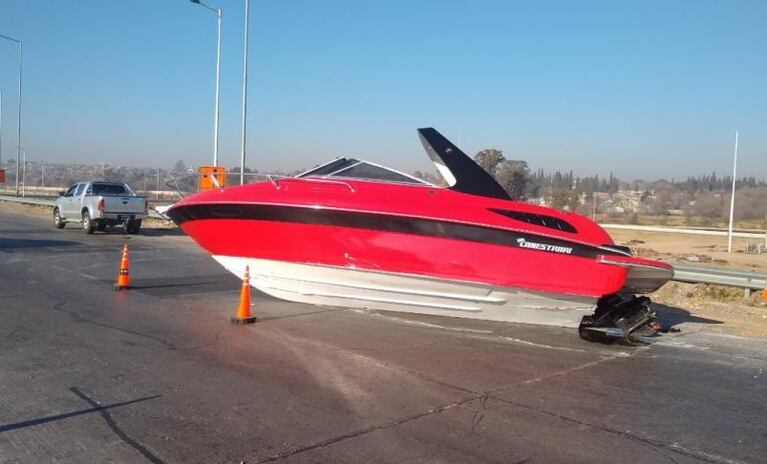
x=727, y=305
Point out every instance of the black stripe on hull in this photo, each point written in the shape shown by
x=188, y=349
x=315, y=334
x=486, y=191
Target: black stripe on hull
x=385, y=223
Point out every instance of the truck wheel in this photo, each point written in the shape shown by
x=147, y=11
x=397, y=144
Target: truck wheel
x=88, y=225
x=134, y=227
x=57, y=221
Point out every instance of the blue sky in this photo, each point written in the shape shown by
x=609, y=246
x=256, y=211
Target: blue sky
x=644, y=89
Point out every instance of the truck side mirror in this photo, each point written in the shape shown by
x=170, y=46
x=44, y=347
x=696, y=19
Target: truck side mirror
x=62, y=193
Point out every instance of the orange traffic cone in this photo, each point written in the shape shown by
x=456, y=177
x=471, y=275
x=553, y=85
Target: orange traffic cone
x=123, y=278
x=243, y=311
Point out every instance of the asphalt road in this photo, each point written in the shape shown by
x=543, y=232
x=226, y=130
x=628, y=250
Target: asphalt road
x=158, y=374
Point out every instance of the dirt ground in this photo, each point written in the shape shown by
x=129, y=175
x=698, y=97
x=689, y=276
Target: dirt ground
x=718, y=309
x=691, y=249
x=723, y=309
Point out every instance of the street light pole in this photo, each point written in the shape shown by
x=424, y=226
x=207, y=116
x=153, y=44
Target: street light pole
x=218, y=77
x=732, y=196
x=218, y=85
x=24, y=174
x=18, y=138
x=244, y=93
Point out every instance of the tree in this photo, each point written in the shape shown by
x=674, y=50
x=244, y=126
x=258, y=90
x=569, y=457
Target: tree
x=180, y=166
x=708, y=205
x=612, y=184
x=662, y=201
x=513, y=176
x=489, y=159
x=565, y=199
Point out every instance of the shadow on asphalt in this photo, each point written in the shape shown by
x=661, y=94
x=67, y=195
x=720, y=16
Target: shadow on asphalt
x=14, y=243
x=175, y=232
x=145, y=231
x=178, y=286
x=58, y=417
x=670, y=316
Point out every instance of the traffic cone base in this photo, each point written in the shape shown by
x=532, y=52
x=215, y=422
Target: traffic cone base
x=123, y=277
x=243, y=311
x=244, y=320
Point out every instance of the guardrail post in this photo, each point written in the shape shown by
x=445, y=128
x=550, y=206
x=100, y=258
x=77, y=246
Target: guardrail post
x=747, y=293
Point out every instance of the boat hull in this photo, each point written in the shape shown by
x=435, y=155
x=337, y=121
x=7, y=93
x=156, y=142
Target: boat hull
x=384, y=261
x=512, y=263
x=364, y=289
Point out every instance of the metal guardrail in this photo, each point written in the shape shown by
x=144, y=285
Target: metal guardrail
x=28, y=200
x=48, y=202
x=733, y=278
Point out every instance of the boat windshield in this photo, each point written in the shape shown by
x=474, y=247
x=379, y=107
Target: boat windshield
x=351, y=168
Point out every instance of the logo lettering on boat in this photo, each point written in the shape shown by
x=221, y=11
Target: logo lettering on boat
x=544, y=247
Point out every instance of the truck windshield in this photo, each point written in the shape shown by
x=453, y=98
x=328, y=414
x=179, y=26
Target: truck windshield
x=109, y=189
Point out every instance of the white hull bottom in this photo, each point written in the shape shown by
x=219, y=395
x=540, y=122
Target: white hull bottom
x=354, y=288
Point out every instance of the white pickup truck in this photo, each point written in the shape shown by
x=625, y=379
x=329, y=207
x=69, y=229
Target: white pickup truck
x=98, y=205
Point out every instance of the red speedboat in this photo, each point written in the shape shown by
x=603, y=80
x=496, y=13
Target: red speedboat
x=352, y=233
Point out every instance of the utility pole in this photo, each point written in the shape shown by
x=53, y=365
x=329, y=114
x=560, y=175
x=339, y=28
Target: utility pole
x=218, y=87
x=244, y=93
x=24, y=174
x=157, y=195
x=18, y=137
x=732, y=197
x=1, y=129
x=594, y=213
x=42, y=174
